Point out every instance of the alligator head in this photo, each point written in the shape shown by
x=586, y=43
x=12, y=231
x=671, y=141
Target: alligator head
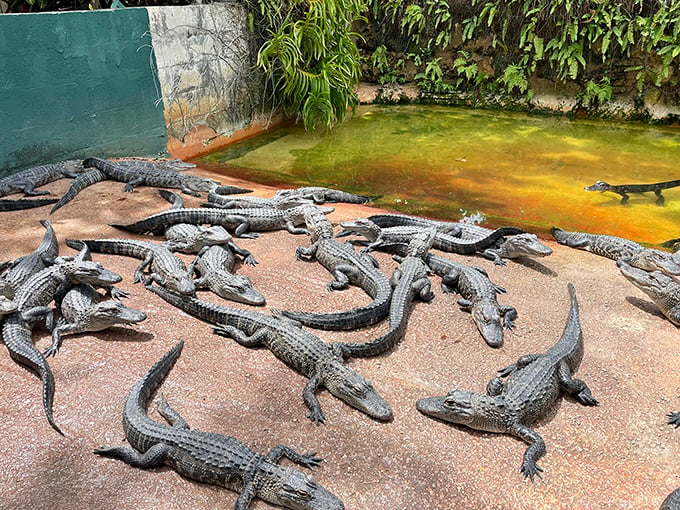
x=360, y=226
x=525, y=245
x=296, y=490
x=474, y=410
x=94, y=273
x=7, y=306
x=487, y=318
x=355, y=390
x=237, y=288
x=196, y=183
x=111, y=312
x=598, y=186
x=655, y=284
x=180, y=282
x=215, y=234
x=650, y=259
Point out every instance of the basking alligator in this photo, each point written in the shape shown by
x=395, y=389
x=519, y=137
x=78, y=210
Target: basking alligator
x=624, y=189
x=409, y=280
x=664, y=290
x=533, y=388
x=221, y=201
x=322, y=195
x=244, y=222
x=212, y=458
x=301, y=350
x=478, y=295
x=672, y=501
x=32, y=299
x=83, y=309
x=27, y=180
x=404, y=220
x=134, y=174
x=617, y=248
x=27, y=203
x=166, y=268
x=347, y=266
x=215, y=266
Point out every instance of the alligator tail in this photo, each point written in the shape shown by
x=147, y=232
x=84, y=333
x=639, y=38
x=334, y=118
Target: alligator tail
x=374, y=347
x=27, y=203
x=78, y=184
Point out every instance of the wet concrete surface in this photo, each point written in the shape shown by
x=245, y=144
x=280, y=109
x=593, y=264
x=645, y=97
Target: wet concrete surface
x=621, y=454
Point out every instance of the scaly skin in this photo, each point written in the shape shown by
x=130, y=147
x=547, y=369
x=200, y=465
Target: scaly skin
x=347, y=267
x=532, y=389
x=300, y=350
x=218, y=200
x=213, y=458
x=27, y=180
x=664, y=290
x=400, y=220
x=409, y=280
x=478, y=296
x=672, y=501
x=624, y=189
x=26, y=203
x=322, y=195
x=83, y=309
x=166, y=268
x=617, y=248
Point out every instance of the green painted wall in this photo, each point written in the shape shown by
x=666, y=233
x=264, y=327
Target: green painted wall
x=77, y=83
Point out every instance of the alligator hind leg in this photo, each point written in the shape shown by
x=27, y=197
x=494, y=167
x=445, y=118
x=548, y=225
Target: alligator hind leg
x=509, y=314
x=311, y=401
x=154, y=456
x=495, y=387
x=674, y=419
x=659, y=197
x=575, y=387
x=535, y=451
x=307, y=459
x=522, y=362
x=170, y=415
x=239, y=336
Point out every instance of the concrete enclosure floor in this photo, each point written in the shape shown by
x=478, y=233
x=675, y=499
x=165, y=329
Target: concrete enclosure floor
x=621, y=454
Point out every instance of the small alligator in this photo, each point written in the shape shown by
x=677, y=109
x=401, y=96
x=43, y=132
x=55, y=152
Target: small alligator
x=24, y=267
x=512, y=247
x=347, y=266
x=403, y=220
x=221, y=201
x=672, y=501
x=244, y=222
x=664, y=290
x=302, y=351
x=215, y=266
x=617, y=248
x=27, y=203
x=212, y=458
x=624, y=189
x=409, y=280
x=532, y=389
x=322, y=195
x=83, y=309
x=27, y=180
x=478, y=296
x=166, y=268
x=31, y=300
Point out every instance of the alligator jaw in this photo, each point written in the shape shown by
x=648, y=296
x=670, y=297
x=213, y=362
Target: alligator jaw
x=358, y=392
x=436, y=408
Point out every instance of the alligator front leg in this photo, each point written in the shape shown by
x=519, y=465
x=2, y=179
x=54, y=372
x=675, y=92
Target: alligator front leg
x=28, y=189
x=659, y=197
x=189, y=191
x=139, y=275
x=624, y=197
x=306, y=253
x=509, y=314
x=449, y=282
x=170, y=415
x=307, y=459
x=423, y=289
x=575, y=387
x=493, y=254
x=674, y=419
x=239, y=336
x=535, y=451
x=290, y=226
x=247, y=257
x=247, y=494
x=130, y=185
x=522, y=362
x=311, y=401
x=153, y=457
x=62, y=328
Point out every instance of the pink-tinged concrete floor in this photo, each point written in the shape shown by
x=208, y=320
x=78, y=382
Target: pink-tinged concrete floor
x=618, y=455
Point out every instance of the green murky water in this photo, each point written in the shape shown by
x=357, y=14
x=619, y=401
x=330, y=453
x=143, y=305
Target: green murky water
x=517, y=169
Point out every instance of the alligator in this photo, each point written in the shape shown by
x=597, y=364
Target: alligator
x=532, y=389
x=322, y=195
x=347, y=266
x=7, y=306
x=617, y=248
x=166, y=268
x=31, y=300
x=624, y=189
x=390, y=236
x=244, y=222
x=221, y=201
x=301, y=350
x=27, y=180
x=24, y=267
x=478, y=296
x=27, y=203
x=403, y=220
x=212, y=458
x=83, y=309
x=409, y=280
x=672, y=501
x=215, y=266
x=664, y=290
x=133, y=173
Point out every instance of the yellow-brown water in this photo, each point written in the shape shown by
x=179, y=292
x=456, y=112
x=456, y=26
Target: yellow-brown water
x=527, y=171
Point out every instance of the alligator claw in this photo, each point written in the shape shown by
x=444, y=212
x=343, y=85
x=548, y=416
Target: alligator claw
x=317, y=417
x=674, y=419
x=309, y=460
x=250, y=261
x=586, y=399
x=51, y=351
x=118, y=293
x=530, y=469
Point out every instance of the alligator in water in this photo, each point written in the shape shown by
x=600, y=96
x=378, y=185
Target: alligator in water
x=478, y=296
x=244, y=222
x=27, y=180
x=617, y=248
x=304, y=352
x=664, y=290
x=347, y=266
x=212, y=458
x=409, y=280
x=532, y=389
x=624, y=189
x=83, y=309
x=166, y=268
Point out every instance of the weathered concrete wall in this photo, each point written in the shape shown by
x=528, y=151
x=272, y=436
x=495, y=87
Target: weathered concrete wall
x=75, y=84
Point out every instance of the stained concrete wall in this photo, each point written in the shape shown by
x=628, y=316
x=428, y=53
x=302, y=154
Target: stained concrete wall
x=75, y=84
